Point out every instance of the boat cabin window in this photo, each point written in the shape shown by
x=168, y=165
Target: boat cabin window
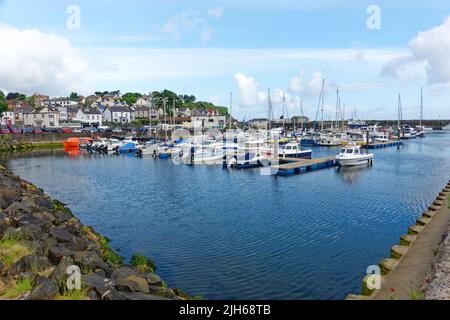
x=349, y=151
x=342, y=150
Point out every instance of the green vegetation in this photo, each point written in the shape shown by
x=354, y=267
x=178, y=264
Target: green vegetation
x=130, y=98
x=142, y=263
x=108, y=254
x=72, y=295
x=74, y=96
x=183, y=101
x=11, y=250
x=3, y=107
x=416, y=295
x=17, y=288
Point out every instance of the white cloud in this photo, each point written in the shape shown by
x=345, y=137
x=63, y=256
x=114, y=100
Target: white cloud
x=315, y=84
x=296, y=84
x=429, y=53
x=187, y=21
x=32, y=61
x=216, y=13
x=248, y=88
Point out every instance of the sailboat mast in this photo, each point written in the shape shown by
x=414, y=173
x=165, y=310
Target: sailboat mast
x=231, y=107
x=421, y=106
x=323, y=99
x=284, y=105
x=269, y=124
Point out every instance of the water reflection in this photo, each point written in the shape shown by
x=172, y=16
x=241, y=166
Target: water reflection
x=351, y=175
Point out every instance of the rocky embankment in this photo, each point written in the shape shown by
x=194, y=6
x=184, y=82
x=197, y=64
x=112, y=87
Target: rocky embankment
x=40, y=239
x=438, y=283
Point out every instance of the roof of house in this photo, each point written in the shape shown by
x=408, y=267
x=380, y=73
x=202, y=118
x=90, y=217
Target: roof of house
x=91, y=111
x=258, y=120
x=118, y=109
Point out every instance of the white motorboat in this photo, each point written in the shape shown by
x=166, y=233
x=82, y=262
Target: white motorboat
x=113, y=144
x=408, y=132
x=248, y=160
x=446, y=128
x=352, y=156
x=293, y=150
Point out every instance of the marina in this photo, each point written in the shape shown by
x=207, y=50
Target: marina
x=249, y=225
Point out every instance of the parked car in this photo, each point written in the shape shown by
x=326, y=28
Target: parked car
x=14, y=130
x=37, y=131
x=67, y=130
x=77, y=130
x=89, y=130
x=117, y=130
x=52, y=130
x=27, y=130
x=5, y=131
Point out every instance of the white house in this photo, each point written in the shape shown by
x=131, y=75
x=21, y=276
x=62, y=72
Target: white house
x=89, y=117
x=208, y=122
x=8, y=118
x=45, y=117
x=63, y=102
x=118, y=114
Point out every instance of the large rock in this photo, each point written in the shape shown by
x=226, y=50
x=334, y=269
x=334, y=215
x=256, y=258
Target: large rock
x=163, y=292
x=8, y=197
x=59, y=275
x=36, y=224
x=61, y=235
x=132, y=284
x=98, y=283
x=44, y=215
x=152, y=279
x=57, y=253
x=17, y=208
x=78, y=244
x=31, y=263
x=45, y=289
x=89, y=261
x=124, y=272
x=23, y=233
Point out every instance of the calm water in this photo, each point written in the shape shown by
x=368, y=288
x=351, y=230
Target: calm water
x=239, y=235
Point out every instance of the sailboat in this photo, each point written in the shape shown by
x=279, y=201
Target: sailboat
x=422, y=129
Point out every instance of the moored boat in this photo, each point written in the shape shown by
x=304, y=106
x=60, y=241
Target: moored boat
x=352, y=156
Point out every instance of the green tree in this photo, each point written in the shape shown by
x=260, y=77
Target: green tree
x=3, y=107
x=130, y=98
x=16, y=96
x=2, y=95
x=73, y=96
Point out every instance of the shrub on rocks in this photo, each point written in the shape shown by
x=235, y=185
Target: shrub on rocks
x=142, y=263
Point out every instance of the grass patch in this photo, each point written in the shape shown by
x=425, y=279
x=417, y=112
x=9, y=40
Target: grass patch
x=417, y=295
x=73, y=295
x=17, y=288
x=11, y=250
x=142, y=263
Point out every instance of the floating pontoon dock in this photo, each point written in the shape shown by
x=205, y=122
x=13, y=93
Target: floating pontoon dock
x=379, y=145
x=297, y=166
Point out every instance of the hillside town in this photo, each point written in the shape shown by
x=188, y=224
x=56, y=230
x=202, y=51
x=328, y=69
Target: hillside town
x=109, y=110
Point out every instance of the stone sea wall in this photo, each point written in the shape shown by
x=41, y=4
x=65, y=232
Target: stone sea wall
x=41, y=241
x=437, y=284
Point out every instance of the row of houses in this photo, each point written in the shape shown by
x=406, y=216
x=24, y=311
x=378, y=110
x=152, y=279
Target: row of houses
x=49, y=115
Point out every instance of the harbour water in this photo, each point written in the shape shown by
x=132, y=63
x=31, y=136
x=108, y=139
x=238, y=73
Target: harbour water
x=230, y=234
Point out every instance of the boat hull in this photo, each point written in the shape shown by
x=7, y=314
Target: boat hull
x=350, y=162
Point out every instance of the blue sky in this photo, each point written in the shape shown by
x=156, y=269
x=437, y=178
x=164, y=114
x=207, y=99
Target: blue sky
x=209, y=48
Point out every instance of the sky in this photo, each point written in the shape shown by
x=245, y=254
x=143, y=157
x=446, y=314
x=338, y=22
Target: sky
x=371, y=51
